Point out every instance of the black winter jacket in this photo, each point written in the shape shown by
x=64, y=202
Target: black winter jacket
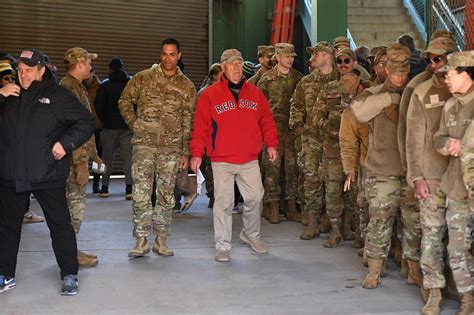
x=30, y=125
x=106, y=101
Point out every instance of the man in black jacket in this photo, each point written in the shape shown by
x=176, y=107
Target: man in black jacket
x=115, y=131
x=41, y=123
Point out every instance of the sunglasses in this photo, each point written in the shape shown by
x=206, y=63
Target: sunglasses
x=436, y=59
x=346, y=61
x=8, y=78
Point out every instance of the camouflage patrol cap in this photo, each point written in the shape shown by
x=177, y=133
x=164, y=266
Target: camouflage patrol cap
x=77, y=54
x=441, y=46
x=398, y=59
x=346, y=52
x=340, y=42
x=230, y=55
x=373, y=51
x=441, y=33
x=320, y=47
x=263, y=50
x=459, y=59
x=285, y=49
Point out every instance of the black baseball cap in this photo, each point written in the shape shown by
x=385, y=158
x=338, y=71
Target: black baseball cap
x=32, y=57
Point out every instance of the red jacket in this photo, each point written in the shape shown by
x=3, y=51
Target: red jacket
x=232, y=132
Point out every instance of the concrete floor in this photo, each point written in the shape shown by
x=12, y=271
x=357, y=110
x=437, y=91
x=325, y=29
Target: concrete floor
x=295, y=277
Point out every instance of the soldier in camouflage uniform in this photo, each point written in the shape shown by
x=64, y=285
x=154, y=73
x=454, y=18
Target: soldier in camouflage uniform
x=278, y=85
x=342, y=42
x=333, y=98
x=386, y=184
x=78, y=65
x=165, y=100
x=301, y=117
x=265, y=54
x=458, y=113
x=425, y=167
x=380, y=61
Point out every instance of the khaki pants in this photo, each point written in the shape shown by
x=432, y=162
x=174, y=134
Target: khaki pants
x=250, y=185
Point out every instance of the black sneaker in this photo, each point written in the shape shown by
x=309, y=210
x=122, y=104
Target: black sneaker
x=70, y=285
x=6, y=284
x=104, y=192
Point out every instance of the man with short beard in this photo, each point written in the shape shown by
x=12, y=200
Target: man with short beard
x=301, y=117
x=265, y=54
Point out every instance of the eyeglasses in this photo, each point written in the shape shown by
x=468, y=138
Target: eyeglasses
x=436, y=59
x=8, y=78
x=346, y=61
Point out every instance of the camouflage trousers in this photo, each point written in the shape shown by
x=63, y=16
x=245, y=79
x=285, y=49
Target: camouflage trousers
x=433, y=227
x=273, y=173
x=362, y=209
x=206, y=169
x=337, y=201
x=460, y=219
x=149, y=163
x=313, y=185
x=300, y=164
x=410, y=215
x=76, y=200
x=387, y=194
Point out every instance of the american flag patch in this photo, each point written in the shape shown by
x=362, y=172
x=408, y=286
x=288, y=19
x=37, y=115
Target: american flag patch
x=26, y=54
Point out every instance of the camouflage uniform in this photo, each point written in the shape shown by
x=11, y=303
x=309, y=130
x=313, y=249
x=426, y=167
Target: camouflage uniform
x=161, y=127
x=278, y=89
x=76, y=193
x=385, y=183
x=456, y=116
x=262, y=51
x=303, y=102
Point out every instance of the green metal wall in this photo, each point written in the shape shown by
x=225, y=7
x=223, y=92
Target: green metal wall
x=241, y=24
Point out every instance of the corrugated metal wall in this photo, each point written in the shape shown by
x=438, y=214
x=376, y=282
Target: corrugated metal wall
x=132, y=30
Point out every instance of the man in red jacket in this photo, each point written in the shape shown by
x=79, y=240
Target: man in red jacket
x=231, y=121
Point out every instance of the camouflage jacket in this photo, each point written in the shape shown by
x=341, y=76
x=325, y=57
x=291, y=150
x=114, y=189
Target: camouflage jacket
x=278, y=89
x=467, y=159
x=88, y=150
x=164, y=108
x=457, y=115
x=256, y=77
x=303, y=101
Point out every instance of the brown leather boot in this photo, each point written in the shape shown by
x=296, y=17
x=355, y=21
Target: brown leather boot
x=274, y=213
x=312, y=230
x=347, y=233
x=89, y=255
x=372, y=279
x=291, y=213
x=433, y=304
x=85, y=262
x=140, y=249
x=325, y=225
x=161, y=248
x=467, y=305
x=414, y=273
x=335, y=236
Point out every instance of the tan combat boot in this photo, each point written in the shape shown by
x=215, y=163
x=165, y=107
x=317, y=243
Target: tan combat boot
x=140, y=249
x=325, y=225
x=312, y=230
x=414, y=273
x=347, y=233
x=433, y=304
x=85, y=262
x=161, y=248
x=274, y=213
x=89, y=255
x=372, y=279
x=291, y=213
x=467, y=305
x=335, y=236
